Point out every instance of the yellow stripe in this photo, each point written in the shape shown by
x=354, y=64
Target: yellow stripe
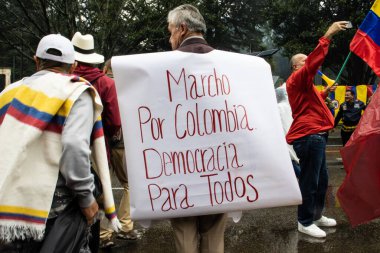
x=110, y=210
x=24, y=210
x=319, y=87
x=7, y=97
x=376, y=7
x=37, y=100
x=361, y=93
x=348, y=127
x=340, y=93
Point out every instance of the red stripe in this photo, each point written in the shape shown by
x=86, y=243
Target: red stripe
x=53, y=127
x=98, y=133
x=29, y=120
x=5, y=217
x=111, y=215
x=364, y=47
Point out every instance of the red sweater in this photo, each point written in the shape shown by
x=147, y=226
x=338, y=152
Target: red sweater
x=310, y=113
x=107, y=92
x=105, y=86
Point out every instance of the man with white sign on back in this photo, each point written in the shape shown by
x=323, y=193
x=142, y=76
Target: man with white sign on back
x=187, y=26
x=199, y=144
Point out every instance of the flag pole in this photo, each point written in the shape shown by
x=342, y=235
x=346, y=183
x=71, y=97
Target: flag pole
x=342, y=68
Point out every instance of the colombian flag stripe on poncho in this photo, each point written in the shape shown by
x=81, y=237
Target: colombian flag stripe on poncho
x=24, y=214
x=366, y=43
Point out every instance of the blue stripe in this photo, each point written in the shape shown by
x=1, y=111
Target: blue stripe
x=43, y=116
x=371, y=26
x=29, y=217
x=98, y=125
x=60, y=120
x=4, y=109
x=332, y=95
x=353, y=88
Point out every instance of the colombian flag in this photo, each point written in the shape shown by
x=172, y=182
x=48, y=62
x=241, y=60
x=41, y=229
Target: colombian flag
x=366, y=42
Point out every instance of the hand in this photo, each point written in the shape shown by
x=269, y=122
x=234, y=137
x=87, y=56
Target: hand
x=90, y=212
x=114, y=224
x=329, y=89
x=335, y=28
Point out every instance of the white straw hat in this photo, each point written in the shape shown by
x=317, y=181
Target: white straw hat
x=85, y=50
x=65, y=49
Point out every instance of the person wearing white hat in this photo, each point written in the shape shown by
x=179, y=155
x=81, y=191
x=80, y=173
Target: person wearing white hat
x=87, y=59
x=85, y=49
x=45, y=172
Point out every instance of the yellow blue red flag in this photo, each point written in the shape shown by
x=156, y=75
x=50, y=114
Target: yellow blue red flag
x=366, y=42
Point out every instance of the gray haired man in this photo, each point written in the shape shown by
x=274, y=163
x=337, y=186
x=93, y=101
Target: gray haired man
x=187, y=26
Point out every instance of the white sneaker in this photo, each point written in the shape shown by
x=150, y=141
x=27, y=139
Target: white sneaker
x=325, y=222
x=311, y=230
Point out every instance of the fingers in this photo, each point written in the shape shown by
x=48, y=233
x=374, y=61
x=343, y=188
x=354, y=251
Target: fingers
x=91, y=212
x=335, y=28
x=341, y=25
x=333, y=88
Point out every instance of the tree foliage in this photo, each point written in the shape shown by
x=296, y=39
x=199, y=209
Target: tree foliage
x=297, y=25
x=122, y=26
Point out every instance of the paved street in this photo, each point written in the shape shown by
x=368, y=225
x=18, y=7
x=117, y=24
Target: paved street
x=274, y=230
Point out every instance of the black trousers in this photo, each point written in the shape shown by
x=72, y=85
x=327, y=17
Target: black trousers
x=345, y=136
x=67, y=233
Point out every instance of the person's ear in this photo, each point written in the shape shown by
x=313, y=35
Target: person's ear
x=183, y=29
x=37, y=62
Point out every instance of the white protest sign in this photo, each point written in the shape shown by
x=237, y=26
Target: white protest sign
x=202, y=134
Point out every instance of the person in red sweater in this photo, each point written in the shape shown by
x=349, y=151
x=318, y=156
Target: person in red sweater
x=308, y=133
x=87, y=59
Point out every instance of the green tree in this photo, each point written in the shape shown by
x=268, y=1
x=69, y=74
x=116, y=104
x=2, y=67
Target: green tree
x=122, y=26
x=297, y=25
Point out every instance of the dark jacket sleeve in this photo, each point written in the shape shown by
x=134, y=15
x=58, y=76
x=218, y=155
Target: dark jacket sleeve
x=338, y=116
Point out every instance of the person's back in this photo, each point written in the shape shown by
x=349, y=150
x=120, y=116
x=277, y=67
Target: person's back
x=107, y=92
x=187, y=26
x=310, y=113
x=44, y=140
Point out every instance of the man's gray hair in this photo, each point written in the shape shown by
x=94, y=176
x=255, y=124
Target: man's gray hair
x=190, y=16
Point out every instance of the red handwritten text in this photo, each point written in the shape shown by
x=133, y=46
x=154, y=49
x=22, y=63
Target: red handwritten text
x=169, y=198
x=209, y=121
x=155, y=124
x=195, y=87
x=208, y=159
x=238, y=187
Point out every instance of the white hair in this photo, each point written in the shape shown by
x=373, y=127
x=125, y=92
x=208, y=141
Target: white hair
x=190, y=16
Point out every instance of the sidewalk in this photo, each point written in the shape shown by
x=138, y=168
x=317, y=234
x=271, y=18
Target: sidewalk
x=275, y=230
